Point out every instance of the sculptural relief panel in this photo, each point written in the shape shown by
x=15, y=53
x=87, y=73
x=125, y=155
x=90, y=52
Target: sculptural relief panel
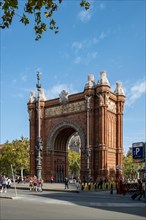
x=65, y=109
x=111, y=106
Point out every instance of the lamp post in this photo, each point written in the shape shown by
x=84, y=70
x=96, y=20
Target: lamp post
x=38, y=140
x=87, y=152
x=145, y=171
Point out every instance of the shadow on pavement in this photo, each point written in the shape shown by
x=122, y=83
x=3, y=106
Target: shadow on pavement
x=113, y=203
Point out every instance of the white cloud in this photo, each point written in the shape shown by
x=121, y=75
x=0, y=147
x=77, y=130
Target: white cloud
x=77, y=60
x=93, y=55
x=56, y=89
x=88, y=43
x=102, y=35
x=86, y=59
x=77, y=45
x=136, y=91
x=85, y=15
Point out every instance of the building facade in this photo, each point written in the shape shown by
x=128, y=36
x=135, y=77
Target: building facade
x=96, y=114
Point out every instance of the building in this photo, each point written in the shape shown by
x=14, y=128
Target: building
x=96, y=114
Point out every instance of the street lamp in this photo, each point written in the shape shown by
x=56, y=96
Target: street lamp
x=87, y=151
x=38, y=140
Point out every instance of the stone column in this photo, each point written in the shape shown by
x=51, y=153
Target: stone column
x=120, y=108
x=102, y=89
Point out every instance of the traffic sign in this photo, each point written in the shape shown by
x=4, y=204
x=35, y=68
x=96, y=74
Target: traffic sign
x=138, y=150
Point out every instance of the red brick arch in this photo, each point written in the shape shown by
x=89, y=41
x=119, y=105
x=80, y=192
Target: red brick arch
x=98, y=123
x=65, y=129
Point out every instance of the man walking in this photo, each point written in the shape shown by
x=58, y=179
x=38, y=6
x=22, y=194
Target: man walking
x=66, y=181
x=4, y=184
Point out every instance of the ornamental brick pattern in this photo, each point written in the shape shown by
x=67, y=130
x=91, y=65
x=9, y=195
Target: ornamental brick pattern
x=60, y=118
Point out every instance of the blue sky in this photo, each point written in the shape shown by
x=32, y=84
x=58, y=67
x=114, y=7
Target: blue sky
x=110, y=36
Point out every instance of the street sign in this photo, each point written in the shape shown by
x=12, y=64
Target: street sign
x=138, y=150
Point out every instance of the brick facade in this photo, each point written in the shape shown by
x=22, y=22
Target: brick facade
x=60, y=120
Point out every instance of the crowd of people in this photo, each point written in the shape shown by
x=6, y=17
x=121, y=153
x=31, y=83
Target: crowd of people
x=121, y=186
x=36, y=184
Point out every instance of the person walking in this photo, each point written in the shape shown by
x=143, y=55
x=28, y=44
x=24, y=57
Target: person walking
x=52, y=179
x=40, y=185
x=4, y=184
x=141, y=190
x=66, y=181
x=31, y=184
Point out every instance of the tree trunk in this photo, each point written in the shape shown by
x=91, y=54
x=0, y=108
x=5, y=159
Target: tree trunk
x=22, y=174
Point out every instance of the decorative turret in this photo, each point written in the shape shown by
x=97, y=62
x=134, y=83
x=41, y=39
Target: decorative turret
x=103, y=79
x=90, y=83
x=119, y=90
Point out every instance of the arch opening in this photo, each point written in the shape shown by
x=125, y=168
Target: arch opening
x=66, y=141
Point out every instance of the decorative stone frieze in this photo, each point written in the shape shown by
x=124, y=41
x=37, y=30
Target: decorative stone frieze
x=67, y=109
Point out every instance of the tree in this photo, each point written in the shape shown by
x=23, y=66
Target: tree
x=40, y=10
x=15, y=154
x=73, y=162
x=131, y=168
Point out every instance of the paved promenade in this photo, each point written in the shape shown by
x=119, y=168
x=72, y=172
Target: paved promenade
x=14, y=190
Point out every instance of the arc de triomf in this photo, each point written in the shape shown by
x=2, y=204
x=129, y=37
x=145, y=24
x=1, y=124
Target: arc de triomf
x=96, y=114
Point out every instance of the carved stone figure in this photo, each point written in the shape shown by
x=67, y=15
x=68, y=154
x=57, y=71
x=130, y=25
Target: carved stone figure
x=107, y=99
x=88, y=101
x=32, y=97
x=31, y=113
x=63, y=96
x=112, y=106
x=101, y=99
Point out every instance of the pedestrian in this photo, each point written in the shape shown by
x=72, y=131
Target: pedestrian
x=66, y=181
x=111, y=191
x=35, y=184
x=31, y=184
x=52, y=179
x=9, y=183
x=78, y=184
x=40, y=185
x=141, y=190
x=3, y=182
x=101, y=183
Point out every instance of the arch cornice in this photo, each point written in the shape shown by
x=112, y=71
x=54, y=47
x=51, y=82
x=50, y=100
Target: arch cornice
x=63, y=124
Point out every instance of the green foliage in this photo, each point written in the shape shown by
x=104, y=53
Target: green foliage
x=85, y=4
x=38, y=9
x=15, y=154
x=131, y=168
x=73, y=162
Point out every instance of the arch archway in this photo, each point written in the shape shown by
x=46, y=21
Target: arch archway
x=57, y=146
